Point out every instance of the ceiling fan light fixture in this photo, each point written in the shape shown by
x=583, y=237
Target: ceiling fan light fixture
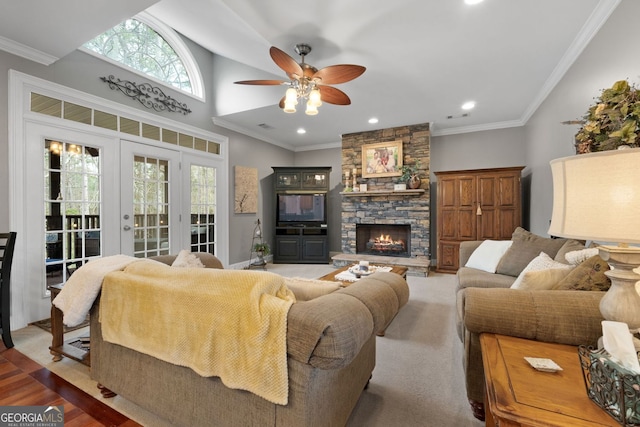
x=289, y=107
x=312, y=109
x=315, y=97
x=307, y=82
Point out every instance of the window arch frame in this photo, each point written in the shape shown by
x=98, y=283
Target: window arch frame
x=179, y=47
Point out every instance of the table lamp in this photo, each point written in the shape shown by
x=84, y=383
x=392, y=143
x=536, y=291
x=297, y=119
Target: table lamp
x=596, y=196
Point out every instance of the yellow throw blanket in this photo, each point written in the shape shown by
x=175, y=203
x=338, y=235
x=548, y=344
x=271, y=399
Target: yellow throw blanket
x=226, y=323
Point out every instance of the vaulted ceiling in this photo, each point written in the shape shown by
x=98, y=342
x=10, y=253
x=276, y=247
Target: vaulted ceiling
x=424, y=58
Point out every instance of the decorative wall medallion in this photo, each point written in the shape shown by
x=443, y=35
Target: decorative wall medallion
x=147, y=95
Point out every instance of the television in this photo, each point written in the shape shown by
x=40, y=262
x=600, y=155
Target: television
x=301, y=210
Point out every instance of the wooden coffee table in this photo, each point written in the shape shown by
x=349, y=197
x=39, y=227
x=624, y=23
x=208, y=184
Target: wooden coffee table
x=402, y=271
x=519, y=396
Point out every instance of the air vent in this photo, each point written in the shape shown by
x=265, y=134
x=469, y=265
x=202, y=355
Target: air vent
x=265, y=126
x=459, y=116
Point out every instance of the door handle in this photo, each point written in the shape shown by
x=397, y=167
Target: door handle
x=126, y=228
x=478, y=210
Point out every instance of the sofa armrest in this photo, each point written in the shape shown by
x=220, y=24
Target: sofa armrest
x=565, y=317
x=328, y=332
x=466, y=249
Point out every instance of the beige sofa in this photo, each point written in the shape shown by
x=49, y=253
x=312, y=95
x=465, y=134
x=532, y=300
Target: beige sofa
x=331, y=344
x=486, y=304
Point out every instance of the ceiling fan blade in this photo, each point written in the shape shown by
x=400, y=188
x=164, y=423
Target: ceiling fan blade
x=335, y=74
x=284, y=61
x=331, y=95
x=260, y=82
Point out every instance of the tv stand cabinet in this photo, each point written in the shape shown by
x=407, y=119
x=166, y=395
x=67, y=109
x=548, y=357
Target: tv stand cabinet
x=301, y=244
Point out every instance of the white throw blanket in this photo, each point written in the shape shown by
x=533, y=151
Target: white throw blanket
x=80, y=291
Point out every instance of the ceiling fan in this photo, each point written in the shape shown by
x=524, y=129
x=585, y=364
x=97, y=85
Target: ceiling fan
x=307, y=82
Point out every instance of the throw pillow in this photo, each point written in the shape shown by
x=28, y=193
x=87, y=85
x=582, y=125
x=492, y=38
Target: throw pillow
x=487, y=256
x=578, y=257
x=570, y=245
x=543, y=280
x=541, y=262
x=308, y=289
x=588, y=276
x=186, y=259
x=526, y=246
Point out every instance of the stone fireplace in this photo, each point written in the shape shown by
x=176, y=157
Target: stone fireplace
x=383, y=239
x=381, y=205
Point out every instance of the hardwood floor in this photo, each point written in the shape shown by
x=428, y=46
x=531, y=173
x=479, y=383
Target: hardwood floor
x=24, y=382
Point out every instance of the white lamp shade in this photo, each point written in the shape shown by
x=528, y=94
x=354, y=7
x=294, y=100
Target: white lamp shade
x=596, y=196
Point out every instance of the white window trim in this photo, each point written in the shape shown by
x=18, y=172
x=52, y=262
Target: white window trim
x=178, y=45
x=20, y=87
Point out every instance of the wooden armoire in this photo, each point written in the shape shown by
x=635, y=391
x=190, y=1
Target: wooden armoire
x=475, y=205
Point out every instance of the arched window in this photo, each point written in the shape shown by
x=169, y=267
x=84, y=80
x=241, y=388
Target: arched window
x=151, y=48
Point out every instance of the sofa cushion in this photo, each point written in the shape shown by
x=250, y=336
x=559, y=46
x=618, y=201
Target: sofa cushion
x=526, y=246
x=539, y=263
x=578, y=257
x=308, y=289
x=474, y=278
x=588, y=276
x=487, y=256
x=570, y=245
x=542, y=280
x=186, y=259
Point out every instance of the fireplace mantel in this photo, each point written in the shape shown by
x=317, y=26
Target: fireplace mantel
x=383, y=193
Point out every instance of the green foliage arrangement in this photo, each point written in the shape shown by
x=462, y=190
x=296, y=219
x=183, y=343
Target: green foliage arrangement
x=409, y=171
x=612, y=121
x=262, y=248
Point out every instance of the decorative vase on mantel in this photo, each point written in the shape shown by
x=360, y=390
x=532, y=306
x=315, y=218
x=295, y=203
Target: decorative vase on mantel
x=414, y=182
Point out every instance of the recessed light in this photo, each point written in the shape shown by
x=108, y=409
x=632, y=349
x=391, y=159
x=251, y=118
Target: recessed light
x=373, y=120
x=468, y=105
x=301, y=131
x=473, y=1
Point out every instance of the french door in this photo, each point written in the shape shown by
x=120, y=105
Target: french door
x=150, y=206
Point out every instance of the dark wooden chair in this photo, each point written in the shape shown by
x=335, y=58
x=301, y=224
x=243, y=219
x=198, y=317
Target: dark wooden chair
x=7, y=244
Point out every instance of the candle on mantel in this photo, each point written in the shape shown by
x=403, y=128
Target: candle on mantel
x=354, y=171
x=346, y=174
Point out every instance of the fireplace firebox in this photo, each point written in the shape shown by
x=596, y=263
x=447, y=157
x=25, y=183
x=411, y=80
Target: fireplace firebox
x=383, y=239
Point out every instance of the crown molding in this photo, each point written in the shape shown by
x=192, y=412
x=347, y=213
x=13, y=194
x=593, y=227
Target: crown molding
x=600, y=15
x=232, y=126
x=477, y=128
x=27, y=52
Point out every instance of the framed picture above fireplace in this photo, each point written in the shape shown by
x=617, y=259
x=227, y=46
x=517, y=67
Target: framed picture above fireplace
x=382, y=159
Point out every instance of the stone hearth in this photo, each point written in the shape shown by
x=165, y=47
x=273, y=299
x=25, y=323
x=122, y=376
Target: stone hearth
x=380, y=204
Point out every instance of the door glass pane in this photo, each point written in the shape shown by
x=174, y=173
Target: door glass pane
x=72, y=181
x=203, y=209
x=150, y=206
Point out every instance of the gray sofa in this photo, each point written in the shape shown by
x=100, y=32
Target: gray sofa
x=486, y=304
x=331, y=344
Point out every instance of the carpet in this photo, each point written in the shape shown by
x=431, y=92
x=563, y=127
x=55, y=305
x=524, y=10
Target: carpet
x=46, y=325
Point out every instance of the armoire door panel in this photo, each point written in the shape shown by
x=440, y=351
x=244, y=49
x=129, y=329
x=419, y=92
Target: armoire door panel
x=487, y=225
x=509, y=191
x=466, y=225
x=448, y=193
x=466, y=192
x=509, y=220
x=448, y=224
x=486, y=191
x=475, y=205
x=448, y=257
